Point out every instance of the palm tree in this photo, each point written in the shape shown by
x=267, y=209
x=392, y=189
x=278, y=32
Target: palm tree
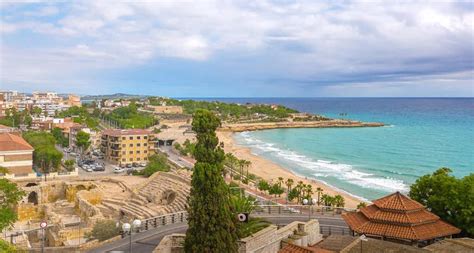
x=247, y=165
x=280, y=181
x=309, y=192
x=338, y=201
x=319, y=190
x=289, y=183
x=300, y=187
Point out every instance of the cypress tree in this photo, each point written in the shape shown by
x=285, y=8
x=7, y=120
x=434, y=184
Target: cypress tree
x=211, y=222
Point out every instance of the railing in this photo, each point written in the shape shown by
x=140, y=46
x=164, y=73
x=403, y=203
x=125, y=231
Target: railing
x=300, y=210
x=334, y=230
x=164, y=220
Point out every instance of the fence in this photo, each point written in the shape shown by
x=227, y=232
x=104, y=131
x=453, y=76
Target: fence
x=164, y=220
x=327, y=230
x=299, y=209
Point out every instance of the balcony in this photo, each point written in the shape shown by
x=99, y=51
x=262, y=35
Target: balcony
x=115, y=147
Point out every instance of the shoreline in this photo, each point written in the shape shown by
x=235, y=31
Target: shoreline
x=270, y=170
x=338, y=123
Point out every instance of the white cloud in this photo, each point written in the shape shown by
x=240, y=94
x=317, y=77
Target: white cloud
x=300, y=40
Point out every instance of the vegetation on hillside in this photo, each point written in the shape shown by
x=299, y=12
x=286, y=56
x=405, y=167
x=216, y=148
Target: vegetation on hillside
x=186, y=149
x=211, y=222
x=451, y=198
x=45, y=156
x=230, y=111
x=130, y=117
x=80, y=115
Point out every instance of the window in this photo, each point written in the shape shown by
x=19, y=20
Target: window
x=145, y=137
x=131, y=159
x=123, y=138
x=144, y=144
x=131, y=152
x=138, y=159
x=138, y=144
x=131, y=145
x=123, y=159
x=144, y=151
x=123, y=152
x=130, y=138
x=146, y=158
x=138, y=137
x=124, y=145
x=138, y=151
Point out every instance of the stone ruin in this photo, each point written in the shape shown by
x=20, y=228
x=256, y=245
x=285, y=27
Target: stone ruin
x=73, y=207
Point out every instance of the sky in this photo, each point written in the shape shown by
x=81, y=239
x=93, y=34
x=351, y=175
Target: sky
x=239, y=48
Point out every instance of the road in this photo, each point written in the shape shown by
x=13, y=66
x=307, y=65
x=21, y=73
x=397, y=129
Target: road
x=176, y=158
x=146, y=242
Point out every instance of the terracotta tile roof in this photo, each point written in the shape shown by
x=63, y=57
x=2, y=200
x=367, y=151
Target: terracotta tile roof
x=292, y=248
x=13, y=142
x=414, y=217
x=120, y=132
x=400, y=218
x=397, y=201
x=458, y=245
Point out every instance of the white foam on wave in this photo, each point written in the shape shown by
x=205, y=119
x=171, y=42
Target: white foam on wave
x=324, y=169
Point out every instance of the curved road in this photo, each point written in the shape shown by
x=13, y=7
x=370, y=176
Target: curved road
x=146, y=242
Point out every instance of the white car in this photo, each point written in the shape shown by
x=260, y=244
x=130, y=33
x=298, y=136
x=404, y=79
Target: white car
x=118, y=170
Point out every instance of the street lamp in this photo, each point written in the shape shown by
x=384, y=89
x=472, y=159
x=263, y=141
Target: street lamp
x=127, y=228
x=305, y=202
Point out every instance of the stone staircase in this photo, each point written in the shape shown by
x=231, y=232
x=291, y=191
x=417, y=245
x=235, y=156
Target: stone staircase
x=149, y=201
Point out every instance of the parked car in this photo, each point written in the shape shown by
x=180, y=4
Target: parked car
x=99, y=167
x=129, y=165
x=143, y=164
x=118, y=169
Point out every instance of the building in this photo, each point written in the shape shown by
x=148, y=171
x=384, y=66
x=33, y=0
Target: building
x=94, y=137
x=128, y=146
x=16, y=155
x=458, y=245
x=74, y=100
x=399, y=219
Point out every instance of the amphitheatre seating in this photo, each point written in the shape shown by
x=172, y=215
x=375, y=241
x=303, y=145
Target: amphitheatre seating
x=163, y=193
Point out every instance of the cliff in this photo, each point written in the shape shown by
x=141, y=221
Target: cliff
x=296, y=124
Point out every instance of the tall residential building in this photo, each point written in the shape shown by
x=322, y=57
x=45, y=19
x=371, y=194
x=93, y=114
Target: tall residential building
x=16, y=155
x=128, y=146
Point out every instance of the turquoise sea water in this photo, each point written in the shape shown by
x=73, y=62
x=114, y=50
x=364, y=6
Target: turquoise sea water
x=422, y=134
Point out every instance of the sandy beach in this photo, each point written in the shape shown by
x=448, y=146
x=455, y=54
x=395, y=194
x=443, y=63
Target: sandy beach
x=270, y=171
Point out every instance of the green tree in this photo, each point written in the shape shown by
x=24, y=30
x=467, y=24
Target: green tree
x=263, y=185
x=10, y=194
x=327, y=200
x=276, y=190
x=156, y=162
x=104, y=230
x=450, y=198
x=361, y=205
x=69, y=164
x=58, y=135
x=339, y=201
x=319, y=190
x=83, y=141
x=36, y=111
x=45, y=156
x=211, y=222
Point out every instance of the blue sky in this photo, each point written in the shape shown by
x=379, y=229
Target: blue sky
x=239, y=48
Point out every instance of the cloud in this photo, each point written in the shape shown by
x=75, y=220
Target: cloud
x=277, y=42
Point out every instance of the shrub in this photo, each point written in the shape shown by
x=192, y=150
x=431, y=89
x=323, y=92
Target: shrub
x=157, y=162
x=104, y=230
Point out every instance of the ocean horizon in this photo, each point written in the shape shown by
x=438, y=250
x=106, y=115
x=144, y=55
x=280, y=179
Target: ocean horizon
x=420, y=136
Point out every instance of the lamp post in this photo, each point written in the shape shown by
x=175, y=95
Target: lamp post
x=305, y=202
x=128, y=228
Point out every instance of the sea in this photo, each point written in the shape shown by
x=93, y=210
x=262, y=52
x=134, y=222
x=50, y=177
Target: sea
x=420, y=135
